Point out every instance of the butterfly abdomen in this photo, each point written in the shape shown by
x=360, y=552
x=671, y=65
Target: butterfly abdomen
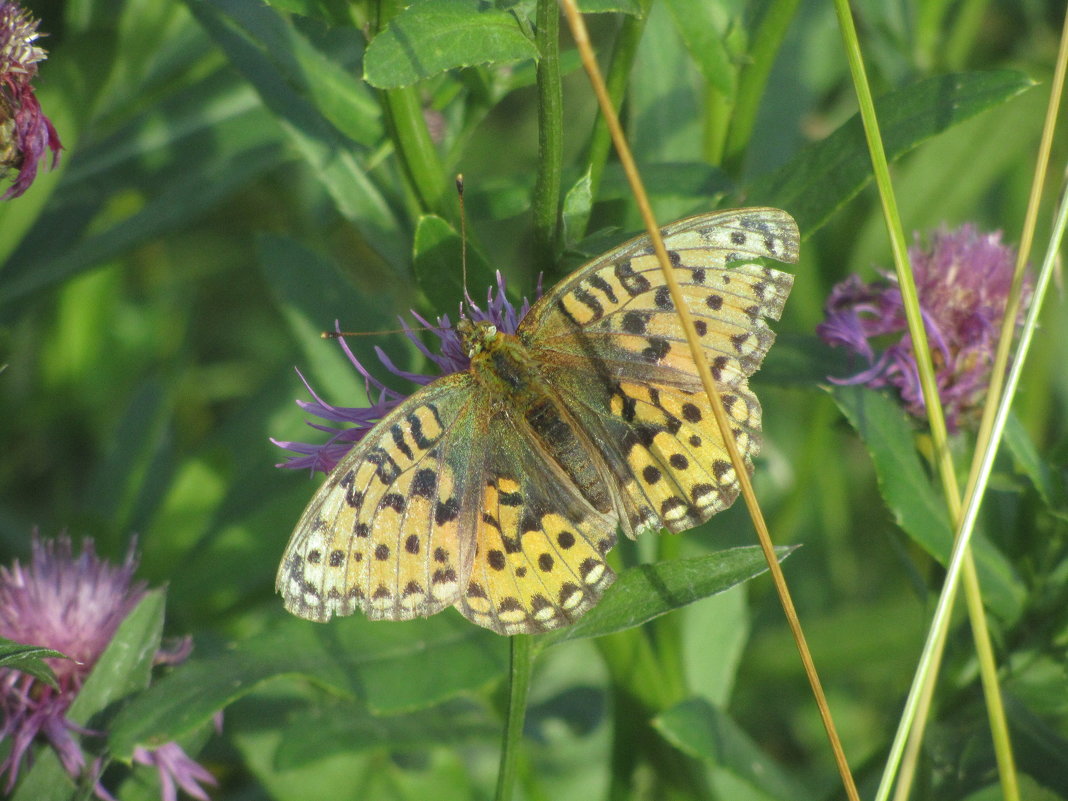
x=507, y=370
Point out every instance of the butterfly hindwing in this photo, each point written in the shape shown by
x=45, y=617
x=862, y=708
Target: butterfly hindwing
x=386, y=533
x=539, y=561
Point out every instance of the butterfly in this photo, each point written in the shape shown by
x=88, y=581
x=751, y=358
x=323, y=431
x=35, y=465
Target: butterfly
x=499, y=490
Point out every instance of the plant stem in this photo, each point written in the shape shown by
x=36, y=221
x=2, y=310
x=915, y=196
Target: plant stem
x=623, y=54
x=415, y=149
x=518, y=687
x=708, y=383
x=939, y=436
x=753, y=79
x=997, y=406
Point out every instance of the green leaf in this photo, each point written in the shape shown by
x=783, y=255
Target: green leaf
x=642, y=593
x=663, y=101
x=699, y=729
x=245, y=32
x=125, y=667
x=632, y=7
x=344, y=727
x=334, y=11
x=394, y=667
x=29, y=659
x=1030, y=790
x=699, y=24
x=438, y=260
x=823, y=177
x=122, y=669
x=74, y=235
x=432, y=36
x=312, y=294
x=691, y=181
x=908, y=492
x=1027, y=461
x=578, y=203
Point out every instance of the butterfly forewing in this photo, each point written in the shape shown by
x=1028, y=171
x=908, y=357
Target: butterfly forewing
x=610, y=341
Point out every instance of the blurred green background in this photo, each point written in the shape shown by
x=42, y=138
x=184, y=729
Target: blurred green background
x=230, y=187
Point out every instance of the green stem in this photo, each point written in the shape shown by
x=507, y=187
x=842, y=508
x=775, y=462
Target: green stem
x=415, y=149
x=641, y=689
x=623, y=54
x=963, y=32
x=546, y=201
x=929, y=18
x=518, y=687
x=939, y=436
x=719, y=109
x=666, y=630
x=753, y=79
x=418, y=155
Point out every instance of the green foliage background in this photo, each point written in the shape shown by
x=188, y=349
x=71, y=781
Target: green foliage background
x=232, y=185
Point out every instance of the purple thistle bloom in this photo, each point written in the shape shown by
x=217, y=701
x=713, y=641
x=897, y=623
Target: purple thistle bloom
x=25, y=132
x=357, y=421
x=962, y=280
x=73, y=605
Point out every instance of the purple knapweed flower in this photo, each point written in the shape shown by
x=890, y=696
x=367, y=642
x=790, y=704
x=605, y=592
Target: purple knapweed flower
x=26, y=134
x=73, y=605
x=962, y=280
x=355, y=422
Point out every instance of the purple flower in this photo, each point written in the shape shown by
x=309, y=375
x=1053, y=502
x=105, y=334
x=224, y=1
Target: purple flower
x=25, y=132
x=962, y=280
x=73, y=605
x=357, y=421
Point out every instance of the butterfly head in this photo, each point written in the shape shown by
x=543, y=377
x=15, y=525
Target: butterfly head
x=475, y=335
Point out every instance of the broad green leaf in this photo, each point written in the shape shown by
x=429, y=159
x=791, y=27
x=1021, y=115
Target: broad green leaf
x=74, y=233
x=705, y=732
x=322, y=68
x=334, y=728
x=699, y=25
x=578, y=201
x=909, y=494
x=312, y=295
x=632, y=7
x=1030, y=790
x=438, y=265
x=1037, y=727
x=823, y=177
x=432, y=36
x=122, y=669
x=244, y=30
x=697, y=183
x=29, y=659
x=125, y=667
x=642, y=593
x=343, y=776
x=663, y=100
x=723, y=620
x=393, y=667
x=1027, y=461
x=336, y=12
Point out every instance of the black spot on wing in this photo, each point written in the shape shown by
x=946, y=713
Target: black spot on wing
x=634, y=283
x=397, y=433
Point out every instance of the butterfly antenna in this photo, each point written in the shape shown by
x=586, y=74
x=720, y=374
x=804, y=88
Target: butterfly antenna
x=340, y=334
x=463, y=237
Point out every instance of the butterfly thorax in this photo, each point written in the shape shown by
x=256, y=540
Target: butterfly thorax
x=500, y=363
x=509, y=375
